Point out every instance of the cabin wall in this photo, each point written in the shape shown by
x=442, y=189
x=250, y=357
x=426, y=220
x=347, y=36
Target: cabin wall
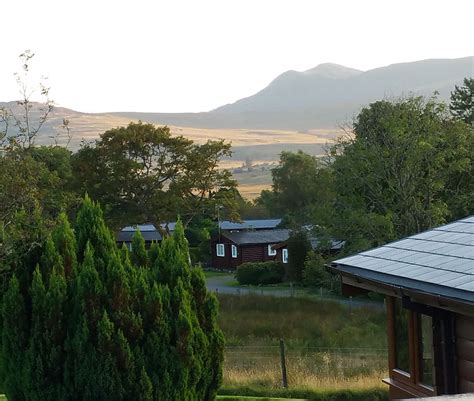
x=465, y=353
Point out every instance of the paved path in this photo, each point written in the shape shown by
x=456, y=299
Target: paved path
x=220, y=284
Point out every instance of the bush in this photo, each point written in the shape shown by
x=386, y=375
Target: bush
x=260, y=273
x=315, y=273
x=93, y=322
x=298, y=248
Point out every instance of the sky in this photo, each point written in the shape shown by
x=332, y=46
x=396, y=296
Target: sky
x=196, y=55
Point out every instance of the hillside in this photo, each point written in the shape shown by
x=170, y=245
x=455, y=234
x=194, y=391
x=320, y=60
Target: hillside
x=325, y=96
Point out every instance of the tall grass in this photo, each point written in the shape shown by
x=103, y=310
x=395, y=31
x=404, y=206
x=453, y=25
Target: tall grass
x=263, y=320
x=328, y=346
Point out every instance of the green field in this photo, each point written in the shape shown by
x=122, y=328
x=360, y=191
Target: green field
x=328, y=347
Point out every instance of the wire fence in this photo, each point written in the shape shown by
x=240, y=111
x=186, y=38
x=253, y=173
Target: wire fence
x=304, y=365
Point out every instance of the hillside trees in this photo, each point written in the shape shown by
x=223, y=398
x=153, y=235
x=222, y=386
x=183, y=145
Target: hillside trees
x=88, y=323
x=140, y=173
x=300, y=182
x=393, y=177
x=461, y=104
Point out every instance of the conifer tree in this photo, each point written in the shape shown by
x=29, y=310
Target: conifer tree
x=91, y=323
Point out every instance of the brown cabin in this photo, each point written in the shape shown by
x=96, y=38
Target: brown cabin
x=231, y=249
x=428, y=282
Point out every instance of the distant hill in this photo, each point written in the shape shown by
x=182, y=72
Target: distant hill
x=324, y=96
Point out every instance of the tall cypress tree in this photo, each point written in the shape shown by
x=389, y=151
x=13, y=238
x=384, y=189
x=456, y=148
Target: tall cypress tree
x=92, y=323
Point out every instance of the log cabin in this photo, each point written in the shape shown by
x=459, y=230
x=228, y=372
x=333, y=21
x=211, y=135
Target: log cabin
x=231, y=249
x=428, y=283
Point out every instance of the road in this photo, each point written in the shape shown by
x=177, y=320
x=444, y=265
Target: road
x=220, y=284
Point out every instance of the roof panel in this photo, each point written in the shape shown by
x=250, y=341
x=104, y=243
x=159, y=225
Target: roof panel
x=441, y=258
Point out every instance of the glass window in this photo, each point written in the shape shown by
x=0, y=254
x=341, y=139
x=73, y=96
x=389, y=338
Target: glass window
x=284, y=255
x=401, y=319
x=271, y=251
x=220, y=250
x=426, y=349
x=233, y=249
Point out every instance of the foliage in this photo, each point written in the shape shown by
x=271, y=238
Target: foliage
x=461, y=105
x=300, y=182
x=391, y=177
x=298, y=248
x=257, y=273
x=141, y=173
x=198, y=234
x=27, y=118
x=315, y=273
x=35, y=186
x=88, y=323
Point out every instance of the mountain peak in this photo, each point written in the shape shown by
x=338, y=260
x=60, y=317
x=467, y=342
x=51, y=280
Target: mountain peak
x=331, y=70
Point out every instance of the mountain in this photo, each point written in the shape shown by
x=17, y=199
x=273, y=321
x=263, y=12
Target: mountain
x=325, y=96
x=330, y=94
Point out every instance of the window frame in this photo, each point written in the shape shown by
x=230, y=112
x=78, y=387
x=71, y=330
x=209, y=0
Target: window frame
x=284, y=255
x=411, y=379
x=234, y=251
x=220, y=250
x=270, y=250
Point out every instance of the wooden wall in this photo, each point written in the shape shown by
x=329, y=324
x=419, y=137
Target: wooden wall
x=465, y=353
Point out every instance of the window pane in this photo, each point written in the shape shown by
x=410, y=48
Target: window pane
x=426, y=349
x=401, y=317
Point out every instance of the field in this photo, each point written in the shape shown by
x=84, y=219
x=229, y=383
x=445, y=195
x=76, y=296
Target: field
x=327, y=347
x=261, y=147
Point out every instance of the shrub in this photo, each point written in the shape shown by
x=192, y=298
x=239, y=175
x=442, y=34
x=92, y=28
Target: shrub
x=315, y=273
x=298, y=248
x=88, y=323
x=260, y=273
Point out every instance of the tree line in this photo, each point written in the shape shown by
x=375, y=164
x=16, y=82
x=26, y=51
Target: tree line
x=404, y=166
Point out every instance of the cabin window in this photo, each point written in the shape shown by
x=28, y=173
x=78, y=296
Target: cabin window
x=220, y=250
x=284, y=255
x=401, y=318
x=233, y=249
x=425, y=335
x=271, y=251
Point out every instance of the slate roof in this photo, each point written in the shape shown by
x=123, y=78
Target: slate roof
x=258, y=237
x=438, y=261
x=149, y=232
x=250, y=224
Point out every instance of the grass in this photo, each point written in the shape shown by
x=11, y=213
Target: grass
x=305, y=394
x=327, y=347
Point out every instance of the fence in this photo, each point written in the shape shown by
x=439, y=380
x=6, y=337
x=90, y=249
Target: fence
x=279, y=365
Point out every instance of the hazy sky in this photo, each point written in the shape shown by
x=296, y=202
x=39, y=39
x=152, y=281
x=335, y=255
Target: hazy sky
x=177, y=55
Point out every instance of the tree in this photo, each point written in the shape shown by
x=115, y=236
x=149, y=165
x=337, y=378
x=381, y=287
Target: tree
x=301, y=183
x=400, y=173
x=298, y=248
x=461, y=105
x=109, y=329
x=28, y=117
x=140, y=173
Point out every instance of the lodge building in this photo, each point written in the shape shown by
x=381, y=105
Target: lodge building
x=428, y=283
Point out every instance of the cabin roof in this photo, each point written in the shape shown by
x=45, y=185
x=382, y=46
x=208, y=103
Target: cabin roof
x=258, y=237
x=439, y=261
x=250, y=224
x=149, y=232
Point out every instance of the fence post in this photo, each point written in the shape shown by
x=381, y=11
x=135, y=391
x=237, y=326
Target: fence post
x=283, y=364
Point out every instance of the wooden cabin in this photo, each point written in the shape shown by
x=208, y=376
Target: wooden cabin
x=231, y=249
x=428, y=282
